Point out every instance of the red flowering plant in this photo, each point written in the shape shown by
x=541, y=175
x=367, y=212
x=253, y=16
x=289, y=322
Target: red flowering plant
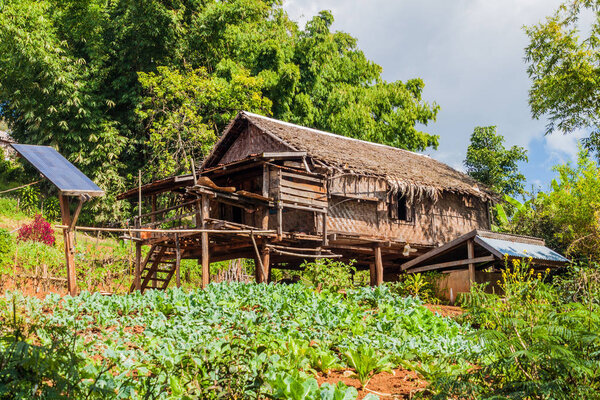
x=37, y=231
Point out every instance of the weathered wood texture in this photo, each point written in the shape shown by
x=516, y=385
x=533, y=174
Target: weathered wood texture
x=69, y=244
x=251, y=141
x=433, y=223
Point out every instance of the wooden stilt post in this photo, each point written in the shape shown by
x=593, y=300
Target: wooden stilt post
x=69, y=245
x=471, y=255
x=265, y=258
x=137, y=279
x=378, y=265
x=325, y=241
x=177, y=262
x=372, y=276
x=205, y=213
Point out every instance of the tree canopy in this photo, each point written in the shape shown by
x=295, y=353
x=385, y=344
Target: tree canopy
x=568, y=215
x=491, y=163
x=563, y=57
x=114, y=85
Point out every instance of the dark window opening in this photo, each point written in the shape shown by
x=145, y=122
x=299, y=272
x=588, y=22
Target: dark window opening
x=399, y=208
x=236, y=215
x=402, y=209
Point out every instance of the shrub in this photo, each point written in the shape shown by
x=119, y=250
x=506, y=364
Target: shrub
x=536, y=346
x=6, y=245
x=329, y=274
x=37, y=231
x=580, y=282
x=423, y=286
x=51, y=208
x=29, y=197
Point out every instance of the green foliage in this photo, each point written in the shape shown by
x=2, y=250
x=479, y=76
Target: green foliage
x=491, y=163
x=423, y=286
x=90, y=78
x=51, y=209
x=29, y=199
x=579, y=283
x=366, y=362
x=184, y=109
x=7, y=244
x=567, y=216
x=536, y=346
x=328, y=274
x=11, y=173
x=563, y=65
x=52, y=370
x=241, y=340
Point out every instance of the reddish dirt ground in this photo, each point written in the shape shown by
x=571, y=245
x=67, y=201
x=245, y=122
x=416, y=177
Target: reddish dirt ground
x=30, y=288
x=401, y=384
x=445, y=311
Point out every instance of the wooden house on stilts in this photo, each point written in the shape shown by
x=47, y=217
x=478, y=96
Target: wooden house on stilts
x=282, y=194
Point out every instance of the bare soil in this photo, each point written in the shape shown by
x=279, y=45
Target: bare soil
x=445, y=311
x=400, y=384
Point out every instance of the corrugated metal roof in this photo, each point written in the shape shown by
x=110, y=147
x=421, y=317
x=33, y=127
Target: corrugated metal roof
x=523, y=250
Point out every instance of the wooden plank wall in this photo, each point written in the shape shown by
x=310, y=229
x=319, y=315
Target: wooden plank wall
x=433, y=223
x=251, y=141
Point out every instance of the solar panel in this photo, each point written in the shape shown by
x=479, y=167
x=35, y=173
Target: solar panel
x=64, y=175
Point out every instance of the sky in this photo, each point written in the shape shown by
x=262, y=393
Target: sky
x=470, y=54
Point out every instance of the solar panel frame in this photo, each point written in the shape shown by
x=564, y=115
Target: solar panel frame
x=58, y=170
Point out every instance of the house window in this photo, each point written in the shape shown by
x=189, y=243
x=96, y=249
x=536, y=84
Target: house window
x=399, y=208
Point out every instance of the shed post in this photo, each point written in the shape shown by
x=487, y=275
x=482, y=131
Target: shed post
x=470, y=256
x=69, y=246
x=378, y=265
x=205, y=212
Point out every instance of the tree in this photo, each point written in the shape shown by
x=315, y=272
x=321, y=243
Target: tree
x=185, y=109
x=491, y=163
x=568, y=215
x=565, y=71
x=91, y=77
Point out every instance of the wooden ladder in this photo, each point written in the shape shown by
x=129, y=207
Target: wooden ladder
x=158, y=268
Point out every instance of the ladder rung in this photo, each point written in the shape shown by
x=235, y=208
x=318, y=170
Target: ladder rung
x=155, y=279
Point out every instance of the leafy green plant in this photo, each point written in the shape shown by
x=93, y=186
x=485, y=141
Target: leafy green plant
x=423, y=286
x=52, y=369
x=328, y=274
x=6, y=246
x=51, y=209
x=366, y=362
x=29, y=198
x=322, y=360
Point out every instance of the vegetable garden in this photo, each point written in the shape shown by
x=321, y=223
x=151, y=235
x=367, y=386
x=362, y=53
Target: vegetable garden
x=258, y=341
x=230, y=341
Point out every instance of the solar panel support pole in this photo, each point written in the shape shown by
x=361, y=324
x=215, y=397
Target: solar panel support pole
x=69, y=245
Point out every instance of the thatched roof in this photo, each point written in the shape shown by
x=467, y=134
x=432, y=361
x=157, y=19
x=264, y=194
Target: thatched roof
x=412, y=173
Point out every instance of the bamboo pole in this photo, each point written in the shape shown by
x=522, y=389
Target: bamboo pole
x=94, y=229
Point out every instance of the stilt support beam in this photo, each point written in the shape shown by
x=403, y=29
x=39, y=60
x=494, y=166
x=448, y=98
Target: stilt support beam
x=205, y=212
x=378, y=265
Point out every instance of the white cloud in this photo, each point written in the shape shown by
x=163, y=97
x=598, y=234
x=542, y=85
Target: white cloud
x=561, y=145
x=469, y=53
